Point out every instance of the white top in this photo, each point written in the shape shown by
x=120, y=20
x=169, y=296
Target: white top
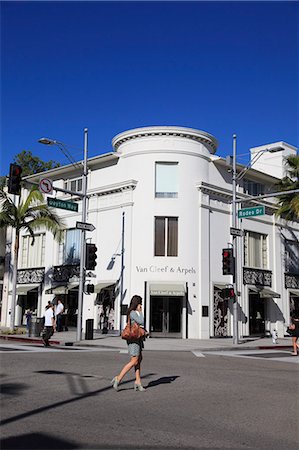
x=58, y=309
x=49, y=315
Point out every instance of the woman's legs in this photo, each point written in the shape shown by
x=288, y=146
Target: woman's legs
x=137, y=369
x=294, y=339
x=127, y=367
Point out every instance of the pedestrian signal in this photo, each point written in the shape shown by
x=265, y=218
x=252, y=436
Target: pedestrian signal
x=228, y=262
x=228, y=293
x=91, y=256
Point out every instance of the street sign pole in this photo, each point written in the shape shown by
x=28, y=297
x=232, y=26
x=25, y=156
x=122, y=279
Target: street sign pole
x=83, y=241
x=235, y=248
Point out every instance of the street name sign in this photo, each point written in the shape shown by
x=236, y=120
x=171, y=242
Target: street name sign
x=236, y=232
x=251, y=212
x=62, y=204
x=45, y=186
x=85, y=226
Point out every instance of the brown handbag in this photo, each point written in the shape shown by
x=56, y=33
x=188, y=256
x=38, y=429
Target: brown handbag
x=132, y=332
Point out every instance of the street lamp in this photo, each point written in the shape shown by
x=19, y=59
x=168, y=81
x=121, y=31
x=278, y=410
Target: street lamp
x=235, y=177
x=63, y=148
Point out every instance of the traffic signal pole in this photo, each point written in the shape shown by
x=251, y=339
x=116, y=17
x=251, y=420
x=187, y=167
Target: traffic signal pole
x=235, y=247
x=83, y=240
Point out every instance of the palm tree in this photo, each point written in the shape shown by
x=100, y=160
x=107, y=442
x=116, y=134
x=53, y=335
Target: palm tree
x=289, y=203
x=31, y=214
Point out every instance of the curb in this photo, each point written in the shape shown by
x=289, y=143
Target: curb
x=25, y=339
x=36, y=340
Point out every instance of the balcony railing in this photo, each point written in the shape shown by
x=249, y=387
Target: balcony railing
x=257, y=277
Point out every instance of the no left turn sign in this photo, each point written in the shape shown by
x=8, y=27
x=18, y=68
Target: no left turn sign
x=46, y=186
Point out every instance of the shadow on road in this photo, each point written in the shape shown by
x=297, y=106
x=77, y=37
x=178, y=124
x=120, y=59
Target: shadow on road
x=162, y=380
x=62, y=402
x=12, y=388
x=36, y=441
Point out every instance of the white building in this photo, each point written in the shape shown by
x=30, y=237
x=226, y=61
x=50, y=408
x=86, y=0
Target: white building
x=161, y=207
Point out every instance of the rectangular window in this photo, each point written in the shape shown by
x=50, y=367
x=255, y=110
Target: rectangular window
x=33, y=255
x=166, y=236
x=166, y=180
x=71, y=254
x=255, y=250
x=291, y=256
x=74, y=185
x=252, y=188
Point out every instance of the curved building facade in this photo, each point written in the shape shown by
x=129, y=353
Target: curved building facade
x=161, y=207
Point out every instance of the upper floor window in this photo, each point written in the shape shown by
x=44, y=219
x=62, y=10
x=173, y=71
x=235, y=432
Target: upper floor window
x=74, y=185
x=166, y=236
x=69, y=251
x=33, y=255
x=292, y=256
x=255, y=250
x=166, y=179
x=253, y=188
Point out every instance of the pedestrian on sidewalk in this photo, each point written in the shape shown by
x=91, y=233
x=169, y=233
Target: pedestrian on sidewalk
x=58, y=314
x=294, y=327
x=49, y=325
x=28, y=316
x=134, y=347
x=274, y=336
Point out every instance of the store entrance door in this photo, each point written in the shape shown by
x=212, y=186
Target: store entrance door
x=166, y=316
x=256, y=315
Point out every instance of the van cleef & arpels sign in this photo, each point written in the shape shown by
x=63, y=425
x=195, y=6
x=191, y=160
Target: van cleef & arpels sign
x=166, y=269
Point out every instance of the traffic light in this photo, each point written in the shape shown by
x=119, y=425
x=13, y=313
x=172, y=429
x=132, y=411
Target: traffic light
x=90, y=288
x=91, y=256
x=228, y=262
x=14, y=180
x=228, y=293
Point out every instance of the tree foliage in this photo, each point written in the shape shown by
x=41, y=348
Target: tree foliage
x=289, y=203
x=33, y=164
x=31, y=214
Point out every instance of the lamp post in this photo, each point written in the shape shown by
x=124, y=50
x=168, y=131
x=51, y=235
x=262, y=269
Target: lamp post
x=235, y=177
x=63, y=148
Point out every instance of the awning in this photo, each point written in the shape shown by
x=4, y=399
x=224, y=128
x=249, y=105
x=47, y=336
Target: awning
x=102, y=284
x=177, y=290
x=62, y=289
x=294, y=292
x=265, y=292
x=22, y=289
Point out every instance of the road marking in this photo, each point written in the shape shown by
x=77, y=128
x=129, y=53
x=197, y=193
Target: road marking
x=198, y=354
x=270, y=355
x=7, y=348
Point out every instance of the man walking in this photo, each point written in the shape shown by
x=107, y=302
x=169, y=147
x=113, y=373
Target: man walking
x=49, y=326
x=58, y=314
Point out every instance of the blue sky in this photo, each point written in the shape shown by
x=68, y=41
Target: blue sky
x=221, y=67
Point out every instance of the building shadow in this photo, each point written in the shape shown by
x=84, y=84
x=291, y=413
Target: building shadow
x=36, y=441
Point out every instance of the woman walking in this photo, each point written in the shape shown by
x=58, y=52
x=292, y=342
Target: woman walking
x=134, y=347
x=294, y=326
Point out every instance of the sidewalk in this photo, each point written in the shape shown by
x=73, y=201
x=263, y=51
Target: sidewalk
x=157, y=344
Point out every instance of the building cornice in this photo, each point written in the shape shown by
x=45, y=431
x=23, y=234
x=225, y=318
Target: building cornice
x=226, y=194
x=123, y=186
x=158, y=131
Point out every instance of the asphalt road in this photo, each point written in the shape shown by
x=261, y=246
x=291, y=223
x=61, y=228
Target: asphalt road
x=63, y=400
